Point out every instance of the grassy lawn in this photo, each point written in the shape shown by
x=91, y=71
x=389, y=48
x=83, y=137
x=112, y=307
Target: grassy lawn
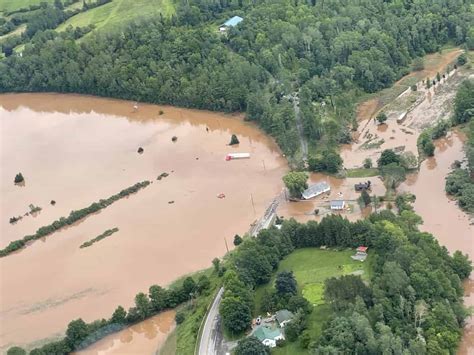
x=362, y=172
x=119, y=12
x=184, y=338
x=10, y=5
x=311, y=267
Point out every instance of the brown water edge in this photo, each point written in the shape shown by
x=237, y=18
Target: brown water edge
x=341, y=189
x=142, y=338
x=78, y=149
x=441, y=215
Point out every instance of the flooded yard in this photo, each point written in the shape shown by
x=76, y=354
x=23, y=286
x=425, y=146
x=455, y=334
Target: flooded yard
x=77, y=150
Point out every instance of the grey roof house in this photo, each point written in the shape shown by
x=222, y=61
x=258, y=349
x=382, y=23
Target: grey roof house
x=283, y=316
x=316, y=190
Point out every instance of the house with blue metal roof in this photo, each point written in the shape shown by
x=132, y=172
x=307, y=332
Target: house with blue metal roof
x=232, y=22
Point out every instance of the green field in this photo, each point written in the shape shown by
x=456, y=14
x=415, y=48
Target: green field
x=311, y=267
x=362, y=172
x=10, y=5
x=119, y=12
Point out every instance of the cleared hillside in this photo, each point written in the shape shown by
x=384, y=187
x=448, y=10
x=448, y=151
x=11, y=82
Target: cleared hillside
x=118, y=12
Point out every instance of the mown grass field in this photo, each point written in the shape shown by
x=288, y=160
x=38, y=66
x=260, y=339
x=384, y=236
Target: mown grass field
x=362, y=172
x=311, y=267
x=10, y=5
x=119, y=12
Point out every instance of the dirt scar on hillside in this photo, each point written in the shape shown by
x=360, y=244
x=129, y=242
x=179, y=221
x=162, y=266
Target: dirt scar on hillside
x=77, y=150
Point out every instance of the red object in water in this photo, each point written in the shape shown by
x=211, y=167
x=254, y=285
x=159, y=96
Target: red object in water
x=228, y=157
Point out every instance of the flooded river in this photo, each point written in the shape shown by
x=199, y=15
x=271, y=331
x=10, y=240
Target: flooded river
x=142, y=338
x=76, y=150
x=442, y=217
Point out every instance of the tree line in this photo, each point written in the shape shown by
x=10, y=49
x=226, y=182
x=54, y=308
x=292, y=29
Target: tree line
x=80, y=334
x=73, y=217
x=460, y=182
x=413, y=302
x=328, y=52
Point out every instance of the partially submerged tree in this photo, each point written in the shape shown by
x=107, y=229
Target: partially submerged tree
x=295, y=182
x=19, y=178
x=382, y=117
x=237, y=240
x=234, y=140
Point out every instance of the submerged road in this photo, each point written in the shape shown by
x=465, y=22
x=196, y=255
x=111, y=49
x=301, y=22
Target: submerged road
x=211, y=335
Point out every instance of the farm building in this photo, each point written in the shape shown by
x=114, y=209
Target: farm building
x=337, y=205
x=361, y=253
x=316, y=190
x=232, y=22
x=268, y=336
x=283, y=316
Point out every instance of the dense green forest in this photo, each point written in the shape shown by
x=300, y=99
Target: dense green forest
x=325, y=52
x=412, y=303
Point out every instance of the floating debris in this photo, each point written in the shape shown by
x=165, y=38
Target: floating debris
x=53, y=202
x=174, y=139
x=140, y=150
x=221, y=195
x=171, y=202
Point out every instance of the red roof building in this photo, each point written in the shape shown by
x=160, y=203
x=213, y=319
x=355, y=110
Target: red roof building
x=362, y=249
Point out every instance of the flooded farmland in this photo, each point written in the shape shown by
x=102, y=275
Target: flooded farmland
x=76, y=150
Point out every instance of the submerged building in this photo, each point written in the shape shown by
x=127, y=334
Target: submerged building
x=316, y=190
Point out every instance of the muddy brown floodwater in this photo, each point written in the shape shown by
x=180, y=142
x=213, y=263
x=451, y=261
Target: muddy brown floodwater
x=142, y=338
x=442, y=217
x=78, y=149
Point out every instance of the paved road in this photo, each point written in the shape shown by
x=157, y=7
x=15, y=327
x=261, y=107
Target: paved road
x=211, y=336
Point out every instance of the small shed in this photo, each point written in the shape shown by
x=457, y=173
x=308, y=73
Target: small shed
x=316, y=190
x=283, y=316
x=232, y=22
x=337, y=205
x=268, y=336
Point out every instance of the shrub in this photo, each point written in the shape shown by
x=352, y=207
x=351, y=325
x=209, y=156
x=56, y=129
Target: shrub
x=461, y=60
x=387, y=157
x=180, y=317
x=234, y=140
x=238, y=240
x=367, y=163
x=16, y=350
x=418, y=64
x=440, y=129
x=382, y=117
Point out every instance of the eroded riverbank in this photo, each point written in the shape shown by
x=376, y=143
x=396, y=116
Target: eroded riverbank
x=76, y=150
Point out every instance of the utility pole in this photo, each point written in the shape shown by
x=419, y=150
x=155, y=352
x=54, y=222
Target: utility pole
x=226, y=247
x=253, y=205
